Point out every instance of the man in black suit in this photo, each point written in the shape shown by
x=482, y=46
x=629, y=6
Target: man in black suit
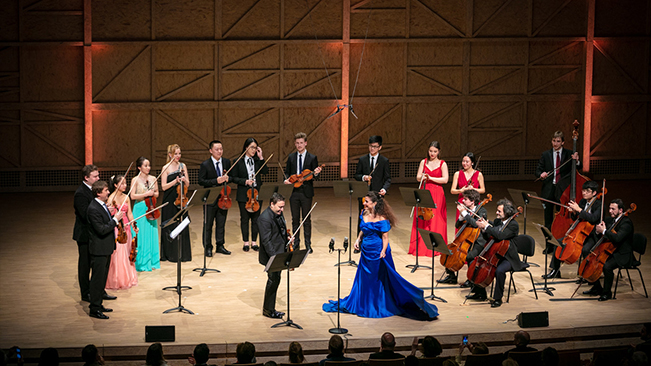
x=497, y=231
x=618, y=229
x=301, y=199
x=375, y=168
x=211, y=174
x=273, y=240
x=83, y=197
x=586, y=210
x=554, y=183
x=387, y=345
x=102, y=245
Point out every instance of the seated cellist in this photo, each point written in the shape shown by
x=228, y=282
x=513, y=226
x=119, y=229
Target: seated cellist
x=583, y=211
x=498, y=232
x=470, y=200
x=623, y=241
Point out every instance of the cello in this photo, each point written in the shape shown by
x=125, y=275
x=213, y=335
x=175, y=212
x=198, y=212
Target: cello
x=463, y=241
x=482, y=270
x=593, y=265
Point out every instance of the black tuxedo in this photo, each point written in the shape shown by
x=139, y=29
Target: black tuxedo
x=593, y=217
x=83, y=197
x=273, y=240
x=212, y=213
x=381, y=177
x=550, y=190
x=240, y=175
x=301, y=199
x=101, y=246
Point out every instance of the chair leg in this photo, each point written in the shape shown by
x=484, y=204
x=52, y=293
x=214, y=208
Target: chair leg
x=508, y=294
x=643, y=285
x=619, y=270
x=629, y=279
x=533, y=285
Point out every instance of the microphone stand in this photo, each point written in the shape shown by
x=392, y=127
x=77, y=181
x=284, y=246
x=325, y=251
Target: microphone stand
x=339, y=329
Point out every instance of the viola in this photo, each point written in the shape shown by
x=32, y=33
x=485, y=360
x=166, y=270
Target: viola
x=134, y=247
x=252, y=203
x=305, y=175
x=593, y=265
x=482, y=270
x=463, y=241
x=570, y=249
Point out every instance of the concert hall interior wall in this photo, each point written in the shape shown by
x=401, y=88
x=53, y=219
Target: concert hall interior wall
x=107, y=81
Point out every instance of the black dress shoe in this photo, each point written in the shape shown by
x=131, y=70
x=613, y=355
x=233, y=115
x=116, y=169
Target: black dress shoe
x=106, y=310
x=222, y=250
x=309, y=250
x=594, y=291
x=98, y=314
x=466, y=284
x=108, y=297
x=245, y=248
x=208, y=252
x=554, y=273
x=85, y=298
x=476, y=296
x=580, y=281
x=496, y=303
x=255, y=247
x=273, y=314
x=548, y=250
x=605, y=297
x=452, y=279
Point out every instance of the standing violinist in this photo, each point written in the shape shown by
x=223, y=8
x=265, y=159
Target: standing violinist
x=555, y=176
x=174, y=176
x=497, y=231
x=145, y=186
x=585, y=210
x=301, y=199
x=618, y=229
x=470, y=202
x=82, y=198
x=244, y=174
x=212, y=174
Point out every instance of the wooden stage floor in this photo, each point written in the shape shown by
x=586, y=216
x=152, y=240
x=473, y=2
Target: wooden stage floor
x=40, y=305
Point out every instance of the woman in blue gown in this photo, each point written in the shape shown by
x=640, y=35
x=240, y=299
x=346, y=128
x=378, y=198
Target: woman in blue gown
x=378, y=290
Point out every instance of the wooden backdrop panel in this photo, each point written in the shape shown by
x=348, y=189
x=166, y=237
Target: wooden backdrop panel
x=613, y=19
x=544, y=118
x=50, y=73
x=10, y=69
x=50, y=26
x=620, y=67
x=303, y=19
x=9, y=20
x=121, y=73
x=120, y=137
x=10, y=155
x=323, y=133
x=620, y=129
x=250, y=19
x=429, y=122
x=184, y=19
x=132, y=21
x=559, y=18
x=382, y=69
x=430, y=18
x=497, y=18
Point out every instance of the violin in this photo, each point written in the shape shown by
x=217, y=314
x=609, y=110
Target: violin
x=463, y=241
x=252, y=203
x=482, y=270
x=134, y=247
x=122, y=233
x=298, y=179
x=593, y=265
x=181, y=192
x=476, y=173
x=424, y=213
x=151, y=204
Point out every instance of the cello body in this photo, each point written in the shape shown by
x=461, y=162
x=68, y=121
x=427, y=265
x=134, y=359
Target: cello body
x=563, y=218
x=572, y=246
x=482, y=270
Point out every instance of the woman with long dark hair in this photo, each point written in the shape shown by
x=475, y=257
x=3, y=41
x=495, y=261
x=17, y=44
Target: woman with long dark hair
x=122, y=272
x=467, y=178
x=144, y=186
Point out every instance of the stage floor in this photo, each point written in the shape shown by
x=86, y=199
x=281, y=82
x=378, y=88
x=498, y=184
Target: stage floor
x=40, y=303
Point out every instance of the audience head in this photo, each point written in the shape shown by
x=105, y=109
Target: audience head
x=49, y=357
x=296, y=353
x=509, y=362
x=336, y=345
x=639, y=358
x=155, y=355
x=480, y=348
x=90, y=354
x=431, y=347
x=270, y=363
x=550, y=357
x=645, y=332
x=521, y=338
x=245, y=352
x=201, y=353
x=449, y=362
x=388, y=341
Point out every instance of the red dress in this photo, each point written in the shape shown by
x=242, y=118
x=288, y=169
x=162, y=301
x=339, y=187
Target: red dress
x=438, y=223
x=462, y=182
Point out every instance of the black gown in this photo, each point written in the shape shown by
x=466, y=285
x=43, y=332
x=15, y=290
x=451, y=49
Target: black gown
x=169, y=248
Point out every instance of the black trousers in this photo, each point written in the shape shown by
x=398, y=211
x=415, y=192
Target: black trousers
x=500, y=278
x=301, y=205
x=273, y=281
x=214, y=214
x=100, y=265
x=609, y=276
x=83, y=268
x=245, y=218
x=550, y=208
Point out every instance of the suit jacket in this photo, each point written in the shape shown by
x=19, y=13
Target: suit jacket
x=622, y=239
x=381, y=177
x=309, y=162
x=385, y=355
x=595, y=212
x=83, y=197
x=273, y=235
x=208, y=174
x=470, y=219
x=240, y=174
x=510, y=231
x=546, y=164
x=102, y=233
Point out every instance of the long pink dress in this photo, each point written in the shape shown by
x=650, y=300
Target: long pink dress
x=438, y=223
x=462, y=182
x=122, y=273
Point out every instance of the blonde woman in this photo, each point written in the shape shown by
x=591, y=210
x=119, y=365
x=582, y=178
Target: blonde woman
x=174, y=173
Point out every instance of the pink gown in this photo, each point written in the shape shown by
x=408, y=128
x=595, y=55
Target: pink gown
x=462, y=182
x=438, y=223
x=122, y=273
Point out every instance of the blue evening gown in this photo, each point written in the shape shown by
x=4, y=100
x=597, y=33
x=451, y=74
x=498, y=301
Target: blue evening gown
x=378, y=290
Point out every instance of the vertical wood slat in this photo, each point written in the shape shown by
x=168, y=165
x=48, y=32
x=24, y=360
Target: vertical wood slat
x=345, y=90
x=587, y=91
x=88, y=84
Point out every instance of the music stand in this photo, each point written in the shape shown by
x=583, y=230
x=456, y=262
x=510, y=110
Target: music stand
x=179, y=219
x=549, y=240
x=282, y=261
x=521, y=198
x=417, y=198
x=352, y=189
x=434, y=241
x=207, y=196
x=267, y=190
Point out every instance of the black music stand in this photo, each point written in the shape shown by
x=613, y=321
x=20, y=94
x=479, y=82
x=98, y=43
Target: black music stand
x=351, y=189
x=417, y=198
x=282, y=261
x=267, y=190
x=182, y=220
x=207, y=196
x=521, y=198
x=434, y=241
x=549, y=240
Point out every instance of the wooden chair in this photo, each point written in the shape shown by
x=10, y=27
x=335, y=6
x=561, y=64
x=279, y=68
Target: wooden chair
x=569, y=358
x=380, y=362
x=344, y=363
x=485, y=360
x=432, y=361
x=639, y=247
x=533, y=358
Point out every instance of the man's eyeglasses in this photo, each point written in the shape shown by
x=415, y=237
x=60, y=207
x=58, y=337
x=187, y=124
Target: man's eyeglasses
x=374, y=146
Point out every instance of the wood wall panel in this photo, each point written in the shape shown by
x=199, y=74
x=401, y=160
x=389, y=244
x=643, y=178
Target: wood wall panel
x=9, y=74
x=544, y=118
x=434, y=19
x=619, y=129
x=559, y=18
x=10, y=156
x=250, y=19
x=381, y=72
x=121, y=73
x=305, y=19
x=190, y=129
x=323, y=132
x=184, y=19
x=500, y=18
x=39, y=26
x=621, y=67
x=51, y=73
x=9, y=20
x=131, y=21
x=427, y=122
x=120, y=137
x=621, y=19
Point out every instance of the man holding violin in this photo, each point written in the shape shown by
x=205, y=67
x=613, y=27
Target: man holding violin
x=302, y=162
x=211, y=174
x=618, y=229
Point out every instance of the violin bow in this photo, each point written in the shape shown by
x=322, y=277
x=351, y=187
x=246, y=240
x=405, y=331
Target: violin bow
x=265, y=163
x=124, y=177
x=236, y=161
x=476, y=169
x=281, y=169
x=147, y=213
x=549, y=173
x=302, y=222
x=420, y=185
x=470, y=211
x=546, y=200
x=603, y=200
